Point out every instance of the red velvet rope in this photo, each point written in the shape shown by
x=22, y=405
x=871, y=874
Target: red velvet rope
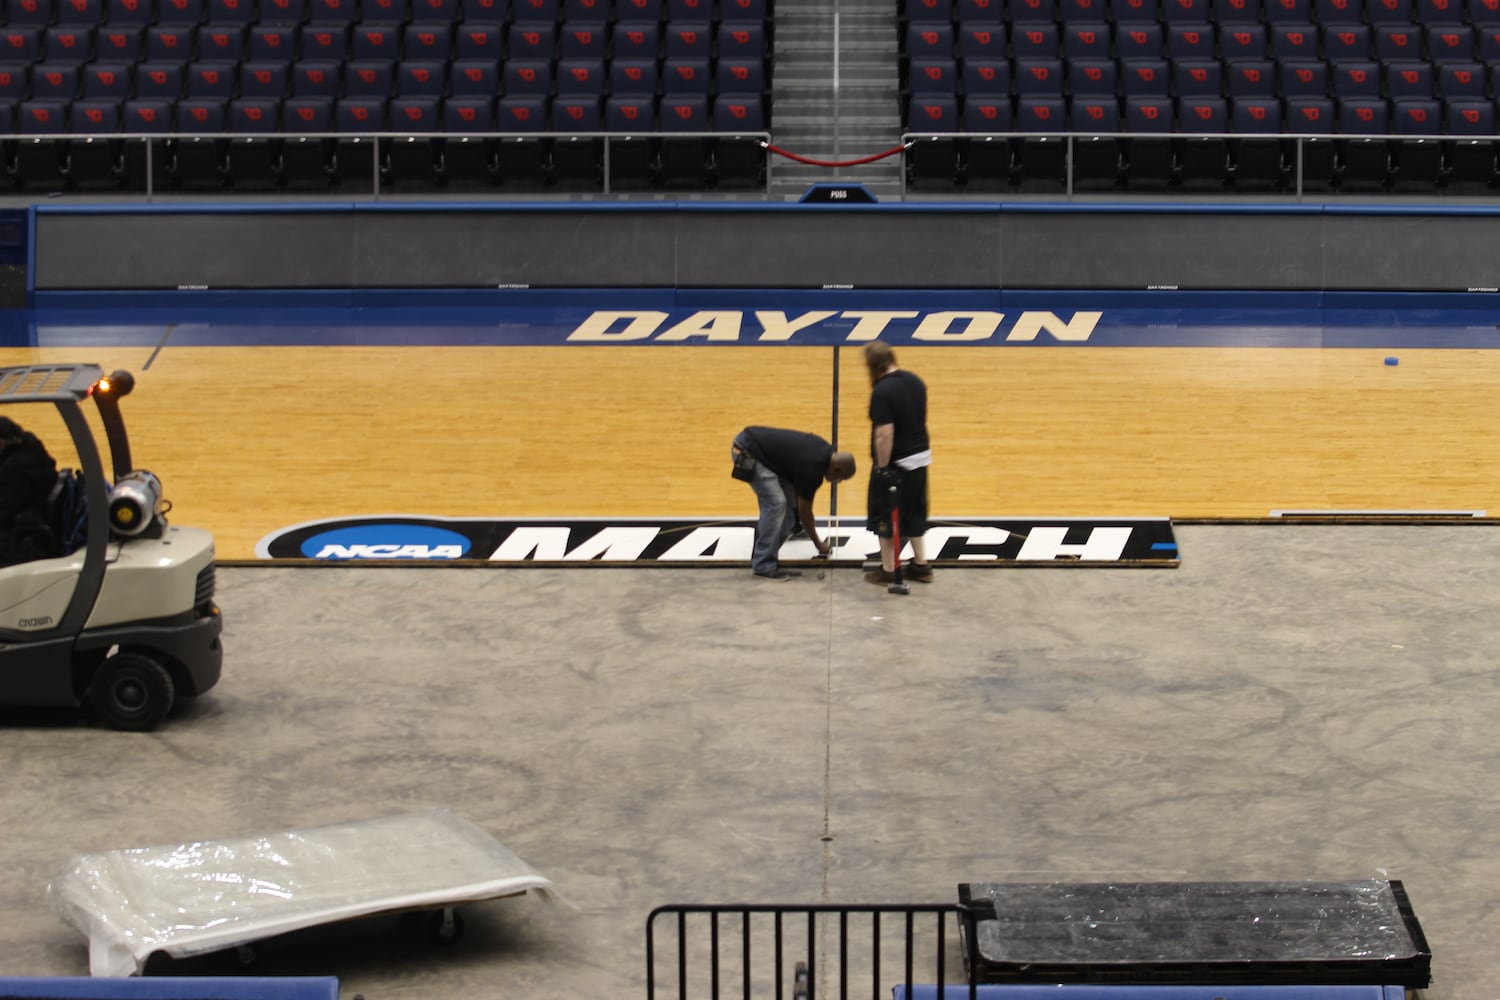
x=834, y=163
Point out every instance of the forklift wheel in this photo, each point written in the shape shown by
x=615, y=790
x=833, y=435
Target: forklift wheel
x=131, y=692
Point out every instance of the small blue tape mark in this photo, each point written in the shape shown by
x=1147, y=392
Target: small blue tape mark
x=1164, y=545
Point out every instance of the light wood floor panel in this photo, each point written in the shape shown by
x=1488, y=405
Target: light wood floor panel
x=251, y=440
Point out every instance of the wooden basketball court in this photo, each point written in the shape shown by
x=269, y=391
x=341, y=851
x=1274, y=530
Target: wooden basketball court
x=250, y=440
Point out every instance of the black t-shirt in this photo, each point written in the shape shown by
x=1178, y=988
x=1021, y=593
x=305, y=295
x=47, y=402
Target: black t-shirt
x=900, y=398
x=796, y=455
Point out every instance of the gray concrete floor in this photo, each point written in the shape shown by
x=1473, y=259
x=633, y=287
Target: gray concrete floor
x=1293, y=702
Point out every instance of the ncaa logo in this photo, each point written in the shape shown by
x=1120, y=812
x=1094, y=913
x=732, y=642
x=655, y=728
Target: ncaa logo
x=387, y=541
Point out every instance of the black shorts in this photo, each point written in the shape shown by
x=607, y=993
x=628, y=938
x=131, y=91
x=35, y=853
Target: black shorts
x=911, y=495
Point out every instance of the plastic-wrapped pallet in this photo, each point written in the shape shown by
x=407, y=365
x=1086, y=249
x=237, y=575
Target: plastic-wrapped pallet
x=188, y=899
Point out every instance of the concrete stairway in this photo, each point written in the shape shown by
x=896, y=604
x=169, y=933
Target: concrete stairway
x=818, y=115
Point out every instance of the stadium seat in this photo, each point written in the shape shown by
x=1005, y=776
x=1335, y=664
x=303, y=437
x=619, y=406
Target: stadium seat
x=522, y=160
x=1347, y=42
x=119, y=13
x=145, y=164
x=1203, y=160
x=200, y=158
x=692, y=10
x=1408, y=79
x=636, y=40
x=1242, y=41
x=586, y=77
x=1144, y=78
x=273, y=42
x=444, y=12
x=1034, y=11
x=231, y=12
x=923, y=41
x=1251, y=78
x=1081, y=40
x=740, y=76
x=684, y=160
x=631, y=158
x=1312, y=115
x=356, y=157
x=986, y=77
x=468, y=160
x=733, y=10
x=1096, y=157
x=535, y=11
x=1302, y=78
x=1294, y=40
x=739, y=41
x=575, y=160
x=412, y=161
x=1417, y=155
x=1471, y=161
x=119, y=44
x=1450, y=43
x=583, y=41
x=1185, y=11
x=107, y=81
x=307, y=157
x=366, y=41
x=421, y=78
x=183, y=12
x=1289, y=11
x=527, y=78
x=474, y=78
x=1093, y=78
x=1356, y=79
x=344, y=12
x=158, y=80
x=1139, y=41
x=169, y=43
x=362, y=78
x=1440, y=12
x=1461, y=80
x=67, y=44
x=282, y=12
x=1393, y=41
x=1135, y=11
x=932, y=76
x=54, y=83
x=985, y=162
x=1197, y=78
x=321, y=79
x=978, y=41
x=739, y=160
x=693, y=40
x=253, y=162
x=928, y=11
x=15, y=82
x=41, y=163
x=1039, y=77
x=479, y=40
x=383, y=11
x=1083, y=12
x=636, y=77
x=264, y=79
x=1338, y=11
x=652, y=10
x=1365, y=158
x=1258, y=161
x=93, y=155
x=1149, y=160
x=1388, y=11
x=1028, y=40
x=1041, y=160
x=427, y=41
x=1236, y=12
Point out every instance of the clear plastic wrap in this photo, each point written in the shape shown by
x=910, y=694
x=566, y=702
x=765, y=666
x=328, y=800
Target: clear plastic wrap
x=187, y=899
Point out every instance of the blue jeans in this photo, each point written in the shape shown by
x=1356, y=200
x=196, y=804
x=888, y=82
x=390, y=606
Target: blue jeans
x=778, y=514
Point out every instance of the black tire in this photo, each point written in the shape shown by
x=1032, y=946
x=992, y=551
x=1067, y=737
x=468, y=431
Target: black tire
x=131, y=692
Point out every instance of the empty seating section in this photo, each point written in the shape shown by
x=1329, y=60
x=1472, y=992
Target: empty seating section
x=291, y=92
x=1380, y=95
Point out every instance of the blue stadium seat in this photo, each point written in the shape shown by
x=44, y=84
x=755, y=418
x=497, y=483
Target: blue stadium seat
x=684, y=160
x=980, y=11
x=1083, y=12
x=201, y=159
x=411, y=161
x=1251, y=78
x=1145, y=78
x=1450, y=43
x=986, y=77
x=933, y=76
x=585, y=76
x=1186, y=11
x=1084, y=40
x=331, y=42
x=362, y=78
x=420, y=79
x=740, y=76
x=81, y=12
x=1139, y=41
x=307, y=159
x=1041, y=160
x=1388, y=11
x=583, y=41
x=1338, y=11
x=356, y=156
x=383, y=12
x=928, y=11
x=641, y=11
x=1039, y=76
x=137, y=12
x=67, y=45
x=438, y=11
x=636, y=77
x=1288, y=11
x=1135, y=11
x=1294, y=40
x=1032, y=40
x=571, y=160
x=231, y=11
x=366, y=41
x=468, y=160
x=521, y=114
x=1481, y=13
x=427, y=41
x=123, y=44
x=1197, y=78
x=932, y=113
x=41, y=162
x=54, y=83
x=15, y=82
x=923, y=41
x=535, y=11
x=531, y=41
x=1236, y=12
x=169, y=43
x=479, y=40
x=1203, y=161
x=1149, y=159
x=1094, y=78
x=474, y=77
x=1489, y=43
x=264, y=79
x=278, y=12
x=738, y=40
x=322, y=79
x=636, y=39
x=185, y=12
x=271, y=42
x=221, y=44
x=631, y=160
x=29, y=13
x=1302, y=77
x=586, y=13
x=1471, y=161
x=1190, y=40
x=1242, y=41
x=333, y=11
x=1356, y=79
x=1347, y=42
x=216, y=80
x=1033, y=11
x=692, y=11
x=107, y=81
x=1461, y=80
x=1409, y=79
x=1365, y=162
x=1096, y=158
x=527, y=78
x=738, y=10
x=1398, y=42
x=159, y=80
x=988, y=161
x=980, y=41
x=1440, y=12
x=1258, y=162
